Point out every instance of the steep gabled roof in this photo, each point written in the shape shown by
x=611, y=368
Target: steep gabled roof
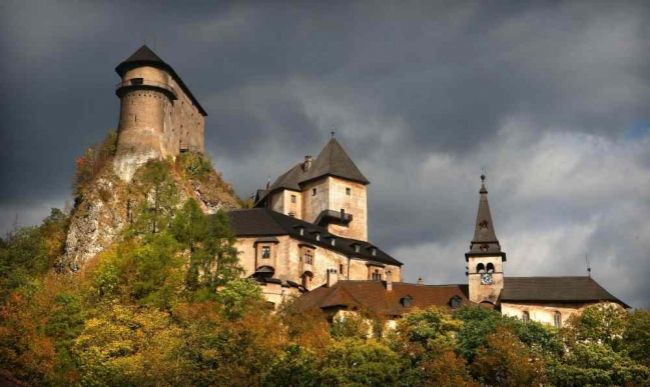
x=144, y=56
x=373, y=297
x=334, y=161
x=266, y=222
x=554, y=289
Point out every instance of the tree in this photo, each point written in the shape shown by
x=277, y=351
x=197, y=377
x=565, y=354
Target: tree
x=159, y=197
x=427, y=339
x=505, y=361
x=637, y=336
x=478, y=324
x=603, y=323
x=354, y=362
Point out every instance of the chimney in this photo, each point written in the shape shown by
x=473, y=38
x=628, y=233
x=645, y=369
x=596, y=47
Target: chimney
x=307, y=164
x=420, y=281
x=389, y=281
x=332, y=277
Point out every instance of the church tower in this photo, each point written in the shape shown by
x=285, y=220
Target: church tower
x=484, y=258
x=159, y=116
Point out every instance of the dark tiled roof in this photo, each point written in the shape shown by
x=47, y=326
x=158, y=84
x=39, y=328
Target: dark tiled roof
x=485, y=239
x=558, y=289
x=372, y=296
x=331, y=161
x=334, y=161
x=266, y=222
x=145, y=56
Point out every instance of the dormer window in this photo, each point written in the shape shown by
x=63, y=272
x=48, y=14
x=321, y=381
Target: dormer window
x=317, y=236
x=455, y=302
x=406, y=301
x=333, y=241
x=373, y=251
x=357, y=248
x=301, y=230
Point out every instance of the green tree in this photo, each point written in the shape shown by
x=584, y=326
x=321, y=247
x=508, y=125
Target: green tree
x=602, y=323
x=592, y=363
x=354, y=362
x=637, y=336
x=210, y=241
x=478, y=324
x=160, y=197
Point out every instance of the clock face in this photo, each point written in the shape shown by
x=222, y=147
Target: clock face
x=486, y=279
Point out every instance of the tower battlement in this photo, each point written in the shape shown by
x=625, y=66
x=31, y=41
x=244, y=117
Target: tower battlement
x=159, y=116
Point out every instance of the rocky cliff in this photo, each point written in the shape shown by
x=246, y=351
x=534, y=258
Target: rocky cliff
x=105, y=204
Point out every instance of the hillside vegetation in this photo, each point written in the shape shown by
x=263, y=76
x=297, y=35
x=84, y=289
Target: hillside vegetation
x=162, y=304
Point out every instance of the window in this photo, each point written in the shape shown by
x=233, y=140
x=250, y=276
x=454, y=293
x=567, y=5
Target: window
x=454, y=302
x=373, y=251
x=301, y=230
x=309, y=257
x=357, y=248
x=266, y=251
x=480, y=268
x=313, y=192
x=557, y=319
x=341, y=267
x=376, y=275
x=490, y=268
x=333, y=242
x=406, y=301
x=525, y=317
x=293, y=198
x=318, y=236
x=348, y=191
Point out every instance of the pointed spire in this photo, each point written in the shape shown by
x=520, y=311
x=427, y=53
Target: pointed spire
x=485, y=241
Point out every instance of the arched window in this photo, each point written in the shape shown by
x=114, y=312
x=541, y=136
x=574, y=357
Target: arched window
x=525, y=317
x=480, y=268
x=557, y=319
x=406, y=301
x=454, y=302
x=490, y=267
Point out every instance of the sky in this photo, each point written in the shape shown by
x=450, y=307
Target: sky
x=550, y=99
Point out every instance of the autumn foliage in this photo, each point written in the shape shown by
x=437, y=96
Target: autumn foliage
x=166, y=306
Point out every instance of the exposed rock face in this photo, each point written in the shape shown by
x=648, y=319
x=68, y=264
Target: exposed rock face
x=105, y=207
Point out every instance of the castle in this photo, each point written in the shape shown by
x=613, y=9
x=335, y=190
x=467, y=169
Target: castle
x=307, y=234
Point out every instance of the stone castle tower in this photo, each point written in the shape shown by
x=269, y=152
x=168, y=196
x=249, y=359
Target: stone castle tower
x=484, y=258
x=329, y=191
x=159, y=116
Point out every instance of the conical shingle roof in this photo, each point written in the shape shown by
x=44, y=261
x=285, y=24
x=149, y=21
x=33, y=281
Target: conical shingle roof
x=144, y=56
x=485, y=240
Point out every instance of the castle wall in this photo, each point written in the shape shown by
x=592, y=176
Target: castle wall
x=545, y=312
x=312, y=205
x=355, y=203
x=289, y=264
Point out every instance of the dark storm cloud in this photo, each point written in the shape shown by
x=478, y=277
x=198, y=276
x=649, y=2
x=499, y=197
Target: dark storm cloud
x=422, y=94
